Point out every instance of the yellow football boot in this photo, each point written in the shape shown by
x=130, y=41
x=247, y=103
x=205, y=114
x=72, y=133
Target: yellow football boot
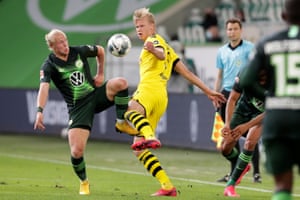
x=84, y=188
x=125, y=127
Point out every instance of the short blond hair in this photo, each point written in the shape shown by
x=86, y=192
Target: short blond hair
x=143, y=12
x=51, y=36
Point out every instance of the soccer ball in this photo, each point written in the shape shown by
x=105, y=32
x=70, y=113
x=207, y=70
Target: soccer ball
x=119, y=44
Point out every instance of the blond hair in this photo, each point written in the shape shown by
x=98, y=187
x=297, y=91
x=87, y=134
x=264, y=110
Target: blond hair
x=143, y=12
x=51, y=37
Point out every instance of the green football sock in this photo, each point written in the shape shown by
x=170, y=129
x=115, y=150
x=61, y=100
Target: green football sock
x=232, y=157
x=121, y=102
x=79, y=167
x=243, y=160
x=282, y=195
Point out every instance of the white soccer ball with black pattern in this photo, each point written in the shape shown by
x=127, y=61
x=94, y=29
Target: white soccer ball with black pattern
x=119, y=44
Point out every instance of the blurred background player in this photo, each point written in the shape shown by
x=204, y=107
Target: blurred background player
x=68, y=68
x=210, y=25
x=280, y=55
x=231, y=58
x=244, y=115
x=150, y=100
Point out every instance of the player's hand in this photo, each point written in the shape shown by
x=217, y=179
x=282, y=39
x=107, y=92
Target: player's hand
x=238, y=131
x=225, y=131
x=236, y=135
x=39, y=122
x=98, y=80
x=149, y=46
x=216, y=104
x=217, y=98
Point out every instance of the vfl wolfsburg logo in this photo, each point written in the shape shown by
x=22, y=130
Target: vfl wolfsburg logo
x=72, y=9
x=79, y=63
x=77, y=79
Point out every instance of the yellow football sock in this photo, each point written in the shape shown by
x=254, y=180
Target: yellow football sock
x=141, y=123
x=153, y=166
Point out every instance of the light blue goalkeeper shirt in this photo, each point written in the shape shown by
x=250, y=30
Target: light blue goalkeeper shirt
x=232, y=60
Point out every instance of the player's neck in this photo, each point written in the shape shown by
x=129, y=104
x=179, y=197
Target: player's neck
x=234, y=43
x=62, y=57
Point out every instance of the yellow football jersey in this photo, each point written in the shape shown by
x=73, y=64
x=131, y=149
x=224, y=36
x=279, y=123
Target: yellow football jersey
x=153, y=71
x=154, y=75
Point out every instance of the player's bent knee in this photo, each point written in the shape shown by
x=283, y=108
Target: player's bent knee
x=122, y=83
x=76, y=153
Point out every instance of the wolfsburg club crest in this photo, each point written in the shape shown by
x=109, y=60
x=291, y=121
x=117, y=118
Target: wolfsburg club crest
x=79, y=63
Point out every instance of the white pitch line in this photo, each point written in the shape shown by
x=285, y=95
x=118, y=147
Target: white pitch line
x=132, y=172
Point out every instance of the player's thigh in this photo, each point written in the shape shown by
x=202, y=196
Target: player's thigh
x=280, y=154
x=158, y=111
x=238, y=117
x=252, y=137
x=154, y=104
x=82, y=115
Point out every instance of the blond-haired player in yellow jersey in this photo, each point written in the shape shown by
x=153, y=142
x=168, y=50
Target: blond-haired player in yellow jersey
x=150, y=100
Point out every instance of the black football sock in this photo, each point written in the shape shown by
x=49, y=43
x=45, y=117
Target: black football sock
x=255, y=160
x=79, y=167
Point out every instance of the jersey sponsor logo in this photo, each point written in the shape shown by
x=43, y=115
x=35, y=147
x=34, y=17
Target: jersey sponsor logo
x=77, y=78
x=292, y=103
x=258, y=104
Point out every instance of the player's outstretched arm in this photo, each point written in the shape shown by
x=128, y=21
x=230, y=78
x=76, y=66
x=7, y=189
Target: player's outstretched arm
x=41, y=103
x=238, y=131
x=100, y=59
x=216, y=97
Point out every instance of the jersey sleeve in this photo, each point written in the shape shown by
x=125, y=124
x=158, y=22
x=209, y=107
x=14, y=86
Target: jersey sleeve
x=155, y=42
x=173, y=56
x=45, y=72
x=88, y=50
x=219, y=63
x=236, y=86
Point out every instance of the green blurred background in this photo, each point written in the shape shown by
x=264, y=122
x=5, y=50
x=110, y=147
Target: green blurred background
x=25, y=22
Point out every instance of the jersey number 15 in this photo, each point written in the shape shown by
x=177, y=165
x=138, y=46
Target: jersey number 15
x=287, y=72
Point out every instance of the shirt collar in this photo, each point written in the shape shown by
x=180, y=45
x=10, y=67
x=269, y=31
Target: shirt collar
x=233, y=48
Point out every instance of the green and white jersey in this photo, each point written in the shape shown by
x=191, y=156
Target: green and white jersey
x=247, y=99
x=279, y=54
x=72, y=77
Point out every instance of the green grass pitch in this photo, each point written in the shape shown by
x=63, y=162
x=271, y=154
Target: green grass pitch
x=37, y=167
